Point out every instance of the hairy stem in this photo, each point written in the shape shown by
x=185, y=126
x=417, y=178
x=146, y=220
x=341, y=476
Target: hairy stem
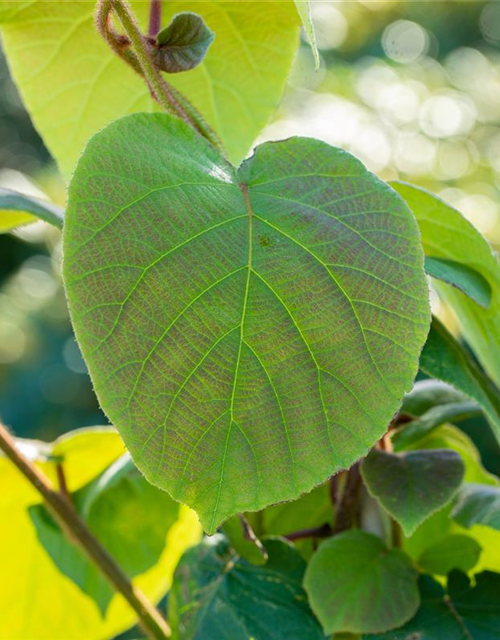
x=152, y=623
x=170, y=99
x=347, y=500
x=155, y=7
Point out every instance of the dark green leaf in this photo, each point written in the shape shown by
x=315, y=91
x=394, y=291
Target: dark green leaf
x=464, y=613
x=184, y=43
x=444, y=358
x=244, y=541
x=411, y=486
x=129, y=516
x=415, y=430
x=17, y=209
x=217, y=596
x=451, y=552
x=427, y=394
x=356, y=584
x=471, y=282
x=478, y=504
x=447, y=234
x=248, y=332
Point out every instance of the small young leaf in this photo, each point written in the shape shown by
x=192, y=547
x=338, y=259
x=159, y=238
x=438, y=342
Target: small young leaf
x=451, y=552
x=444, y=358
x=478, y=504
x=17, y=209
x=298, y=279
x=411, y=486
x=447, y=234
x=184, y=43
x=304, y=9
x=430, y=393
x=356, y=584
x=468, y=280
x=218, y=596
x=464, y=613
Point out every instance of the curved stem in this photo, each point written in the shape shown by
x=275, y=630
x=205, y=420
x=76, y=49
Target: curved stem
x=166, y=96
x=151, y=621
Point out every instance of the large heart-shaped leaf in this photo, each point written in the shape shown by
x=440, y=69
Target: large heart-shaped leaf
x=73, y=85
x=411, y=486
x=356, y=584
x=248, y=332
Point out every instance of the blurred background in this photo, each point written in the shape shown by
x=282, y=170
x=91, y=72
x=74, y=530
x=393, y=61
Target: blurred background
x=411, y=88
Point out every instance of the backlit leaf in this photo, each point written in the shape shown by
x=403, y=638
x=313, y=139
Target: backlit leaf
x=304, y=9
x=411, y=486
x=218, y=596
x=451, y=552
x=478, y=504
x=249, y=332
x=73, y=85
x=356, y=584
x=16, y=209
x=448, y=235
x=444, y=357
x=57, y=608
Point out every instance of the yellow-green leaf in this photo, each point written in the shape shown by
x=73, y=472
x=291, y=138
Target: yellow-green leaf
x=73, y=85
x=37, y=601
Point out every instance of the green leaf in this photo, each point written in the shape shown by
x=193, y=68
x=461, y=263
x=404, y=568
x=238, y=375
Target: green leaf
x=444, y=358
x=465, y=612
x=446, y=234
x=120, y=508
x=416, y=429
x=440, y=524
x=356, y=584
x=248, y=332
x=304, y=9
x=478, y=504
x=244, y=541
x=430, y=393
x=451, y=552
x=411, y=486
x=235, y=88
x=184, y=43
x=16, y=209
x=217, y=596
x=57, y=607
x=462, y=277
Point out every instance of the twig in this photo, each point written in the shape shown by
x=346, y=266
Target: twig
x=324, y=531
x=347, y=501
x=153, y=624
x=170, y=99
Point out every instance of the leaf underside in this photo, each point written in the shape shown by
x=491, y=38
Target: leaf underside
x=248, y=332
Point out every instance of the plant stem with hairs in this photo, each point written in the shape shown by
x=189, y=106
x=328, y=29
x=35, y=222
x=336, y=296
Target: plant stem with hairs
x=62, y=510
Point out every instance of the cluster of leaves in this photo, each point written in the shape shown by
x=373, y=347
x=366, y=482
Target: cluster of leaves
x=251, y=329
